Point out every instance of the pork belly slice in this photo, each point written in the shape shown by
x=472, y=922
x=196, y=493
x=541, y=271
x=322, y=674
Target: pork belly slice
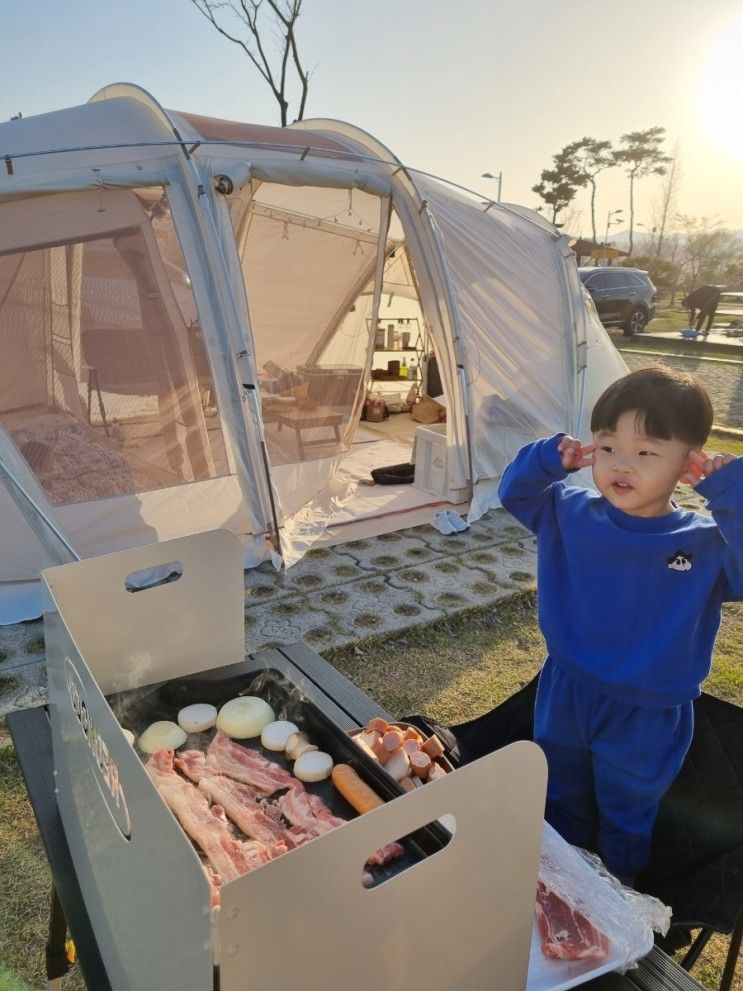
x=326, y=818
x=216, y=883
x=193, y=764
x=565, y=933
x=246, y=765
x=240, y=803
x=297, y=807
x=385, y=854
x=311, y=813
x=206, y=826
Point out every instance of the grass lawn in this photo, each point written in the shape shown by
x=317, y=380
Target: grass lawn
x=724, y=442
x=452, y=671
x=668, y=318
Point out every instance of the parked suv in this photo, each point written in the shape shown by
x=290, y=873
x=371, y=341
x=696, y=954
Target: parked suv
x=624, y=297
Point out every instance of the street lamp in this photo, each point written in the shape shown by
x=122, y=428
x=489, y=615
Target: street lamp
x=499, y=177
x=611, y=219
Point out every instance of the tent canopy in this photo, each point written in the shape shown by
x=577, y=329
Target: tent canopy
x=187, y=314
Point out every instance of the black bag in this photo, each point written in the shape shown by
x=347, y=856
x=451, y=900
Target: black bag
x=394, y=474
x=510, y=721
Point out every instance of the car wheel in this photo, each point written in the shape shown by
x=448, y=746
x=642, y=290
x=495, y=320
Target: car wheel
x=635, y=322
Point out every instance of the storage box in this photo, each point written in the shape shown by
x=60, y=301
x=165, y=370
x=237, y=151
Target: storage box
x=431, y=464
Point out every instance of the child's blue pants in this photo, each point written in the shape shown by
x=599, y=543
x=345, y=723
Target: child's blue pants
x=609, y=766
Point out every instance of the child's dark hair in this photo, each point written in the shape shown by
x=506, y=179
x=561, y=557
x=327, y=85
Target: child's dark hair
x=670, y=405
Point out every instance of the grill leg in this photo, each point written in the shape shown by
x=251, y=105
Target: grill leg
x=696, y=948
x=57, y=962
x=733, y=953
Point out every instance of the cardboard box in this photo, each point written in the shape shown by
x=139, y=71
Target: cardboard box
x=430, y=455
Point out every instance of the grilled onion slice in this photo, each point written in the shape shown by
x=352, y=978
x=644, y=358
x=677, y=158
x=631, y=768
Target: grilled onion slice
x=244, y=717
x=162, y=735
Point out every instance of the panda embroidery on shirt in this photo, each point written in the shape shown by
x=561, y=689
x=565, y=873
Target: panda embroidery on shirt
x=680, y=561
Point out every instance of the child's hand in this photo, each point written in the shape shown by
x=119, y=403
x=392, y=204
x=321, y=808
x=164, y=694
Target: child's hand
x=701, y=466
x=575, y=456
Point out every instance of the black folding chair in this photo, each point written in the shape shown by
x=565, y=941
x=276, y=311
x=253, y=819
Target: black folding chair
x=696, y=865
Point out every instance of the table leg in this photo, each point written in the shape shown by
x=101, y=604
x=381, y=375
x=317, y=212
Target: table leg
x=298, y=432
x=57, y=961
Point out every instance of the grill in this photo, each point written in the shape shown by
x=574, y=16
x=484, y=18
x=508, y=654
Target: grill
x=455, y=910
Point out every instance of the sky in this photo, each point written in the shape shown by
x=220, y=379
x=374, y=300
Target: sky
x=453, y=88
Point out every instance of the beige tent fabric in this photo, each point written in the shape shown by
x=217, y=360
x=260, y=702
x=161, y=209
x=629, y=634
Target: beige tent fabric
x=183, y=352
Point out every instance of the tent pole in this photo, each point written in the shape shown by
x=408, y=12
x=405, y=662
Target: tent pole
x=251, y=390
x=24, y=502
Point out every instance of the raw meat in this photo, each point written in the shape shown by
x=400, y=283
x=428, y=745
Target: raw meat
x=206, y=826
x=311, y=813
x=239, y=802
x=193, y=764
x=297, y=807
x=216, y=883
x=385, y=854
x=246, y=765
x=566, y=933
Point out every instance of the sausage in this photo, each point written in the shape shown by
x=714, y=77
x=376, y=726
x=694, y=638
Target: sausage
x=392, y=739
x=377, y=725
x=356, y=792
x=421, y=764
x=435, y=771
x=433, y=747
x=377, y=748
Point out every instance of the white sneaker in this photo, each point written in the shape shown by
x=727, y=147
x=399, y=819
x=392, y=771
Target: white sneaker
x=459, y=523
x=442, y=523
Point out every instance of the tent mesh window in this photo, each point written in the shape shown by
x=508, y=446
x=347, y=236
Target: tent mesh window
x=307, y=256
x=104, y=385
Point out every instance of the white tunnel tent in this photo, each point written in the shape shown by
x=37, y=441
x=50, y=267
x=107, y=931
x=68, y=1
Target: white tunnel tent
x=188, y=310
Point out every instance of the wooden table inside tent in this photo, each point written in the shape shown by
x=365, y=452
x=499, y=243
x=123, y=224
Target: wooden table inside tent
x=300, y=419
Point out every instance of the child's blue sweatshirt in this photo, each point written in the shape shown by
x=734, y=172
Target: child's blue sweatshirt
x=630, y=604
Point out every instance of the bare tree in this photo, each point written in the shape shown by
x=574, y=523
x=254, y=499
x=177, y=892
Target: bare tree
x=665, y=204
x=709, y=250
x=640, y=152
x=252, y=22
x=591, y=157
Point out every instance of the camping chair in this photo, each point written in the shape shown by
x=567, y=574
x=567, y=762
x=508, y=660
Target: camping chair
x=696, y=864
x=117, y=361
x=697, y=861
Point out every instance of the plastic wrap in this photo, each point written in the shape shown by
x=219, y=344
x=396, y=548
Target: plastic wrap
x=625, y=916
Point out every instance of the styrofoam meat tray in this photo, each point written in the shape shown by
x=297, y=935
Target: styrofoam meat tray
x=558, y=975
x=630, y=933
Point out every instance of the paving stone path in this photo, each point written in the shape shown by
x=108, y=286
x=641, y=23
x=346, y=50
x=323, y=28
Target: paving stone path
x=337, y=596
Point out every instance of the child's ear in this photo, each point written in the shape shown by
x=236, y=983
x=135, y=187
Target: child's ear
x=692, y=468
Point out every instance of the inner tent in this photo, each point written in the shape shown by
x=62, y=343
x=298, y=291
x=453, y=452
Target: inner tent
x=105, y=387
x=335, y=321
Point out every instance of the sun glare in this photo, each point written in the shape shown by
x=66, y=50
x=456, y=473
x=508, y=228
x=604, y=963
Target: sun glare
x=720, y=91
